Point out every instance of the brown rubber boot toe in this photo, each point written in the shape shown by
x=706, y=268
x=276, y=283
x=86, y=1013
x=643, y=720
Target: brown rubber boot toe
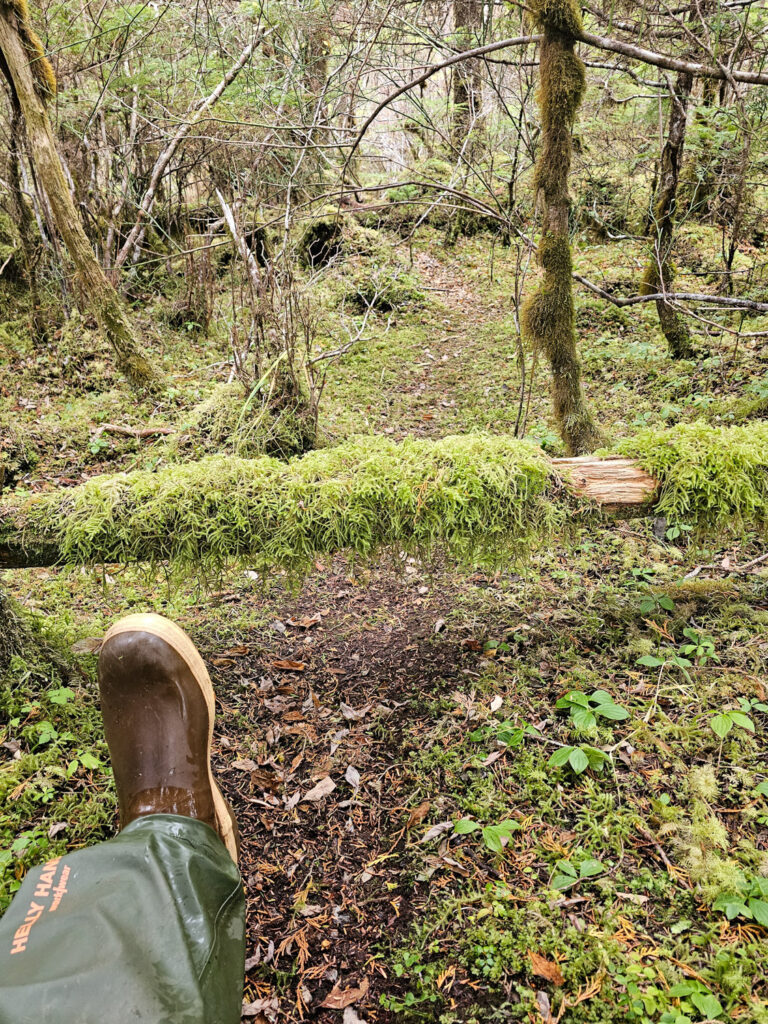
x=158, y=707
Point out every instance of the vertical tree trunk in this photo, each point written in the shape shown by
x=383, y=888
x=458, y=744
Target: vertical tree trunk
x=22, y=215
x=659, y=275
x=31, y=81
x=548, y=315
x=467, y=86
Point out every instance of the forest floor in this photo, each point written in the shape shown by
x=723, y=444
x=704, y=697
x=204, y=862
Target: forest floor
x=427, y=695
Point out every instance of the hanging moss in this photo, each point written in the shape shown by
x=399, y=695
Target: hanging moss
x=45, y=79
x=560, y=94
x=710, y=476
x=562, y=16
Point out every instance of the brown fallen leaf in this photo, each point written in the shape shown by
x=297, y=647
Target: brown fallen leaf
x=305, y=623
x=235, y=652
x=222, y=662
x=245, y=764
x=470, y=644
x=338, y=999
x=323, y=788
x=418, y=814
x=289, y=666
x=544, y=968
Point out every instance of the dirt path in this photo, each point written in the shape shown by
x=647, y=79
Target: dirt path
x=334, y=690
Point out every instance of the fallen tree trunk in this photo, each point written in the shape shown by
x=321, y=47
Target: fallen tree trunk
x=481, y=497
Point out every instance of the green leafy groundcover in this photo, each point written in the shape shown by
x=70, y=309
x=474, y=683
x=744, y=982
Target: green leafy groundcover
x=484, y=497
x=714, y=477
x=474, y=493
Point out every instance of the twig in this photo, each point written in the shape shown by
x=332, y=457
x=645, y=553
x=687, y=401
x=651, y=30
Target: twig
x=115, y=428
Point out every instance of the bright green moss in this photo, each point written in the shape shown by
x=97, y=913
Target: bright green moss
x=710, y=476
x=480, y=495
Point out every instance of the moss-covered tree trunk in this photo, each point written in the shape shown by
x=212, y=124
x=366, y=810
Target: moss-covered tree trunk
x=467, y=86
x=548, y=315
x=31, y=79
x=659, y=275
x=22, y=216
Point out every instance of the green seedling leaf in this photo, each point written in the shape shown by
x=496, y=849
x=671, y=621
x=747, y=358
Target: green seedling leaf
x=612, y=711
x=63, y=695
x=650, y=661
x=582, y=718
x=567, y=868
x=708, y=1005
x=590, y=867
x=89, y=761
x=739, y=718
x=759, y=910
x=560, y=757
x=721, y=725
x=578, y=760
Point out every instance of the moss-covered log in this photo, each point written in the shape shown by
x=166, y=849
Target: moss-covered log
x=481, y=496
x=548, y=315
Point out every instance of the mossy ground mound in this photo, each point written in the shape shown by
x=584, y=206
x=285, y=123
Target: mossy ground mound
x=231, y=420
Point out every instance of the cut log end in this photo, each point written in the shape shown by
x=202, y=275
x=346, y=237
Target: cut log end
x=612, y=482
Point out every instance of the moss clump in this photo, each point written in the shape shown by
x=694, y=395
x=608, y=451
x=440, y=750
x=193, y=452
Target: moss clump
x=563, y=16
x=480, y=495
x=230, y=420
x=710, y=476
x=384, y=288
x=322, y=241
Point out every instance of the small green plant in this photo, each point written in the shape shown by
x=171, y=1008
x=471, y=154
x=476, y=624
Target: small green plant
x=749, y=902
x=584, y=710
x=722, y=722
x=700, y=647
x=567, y=874
x=655, y=603
x=667, y=657
x=493, y=836
x=578, y=758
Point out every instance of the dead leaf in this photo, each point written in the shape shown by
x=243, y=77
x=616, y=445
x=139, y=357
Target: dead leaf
x=57, y=827
x=633, y=897
x=494, y=756
x=352, y=776
x=470, y=644
x=435, y=831
x=90, y=645
x=496, y=703
x=350, y=1017
x=353, y=715
x=235, y=652
x=307, y=622
x=323, y=788
x=544, y=968
x=245, y=765
x=439, y=626
x=222, y=662
x=542, y=1002
x=338, y=999
x=268, y=1007
x=418, y=814
x=289, y=666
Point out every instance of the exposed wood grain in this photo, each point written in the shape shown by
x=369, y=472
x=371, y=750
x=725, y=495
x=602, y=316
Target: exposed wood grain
x=612, y=482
